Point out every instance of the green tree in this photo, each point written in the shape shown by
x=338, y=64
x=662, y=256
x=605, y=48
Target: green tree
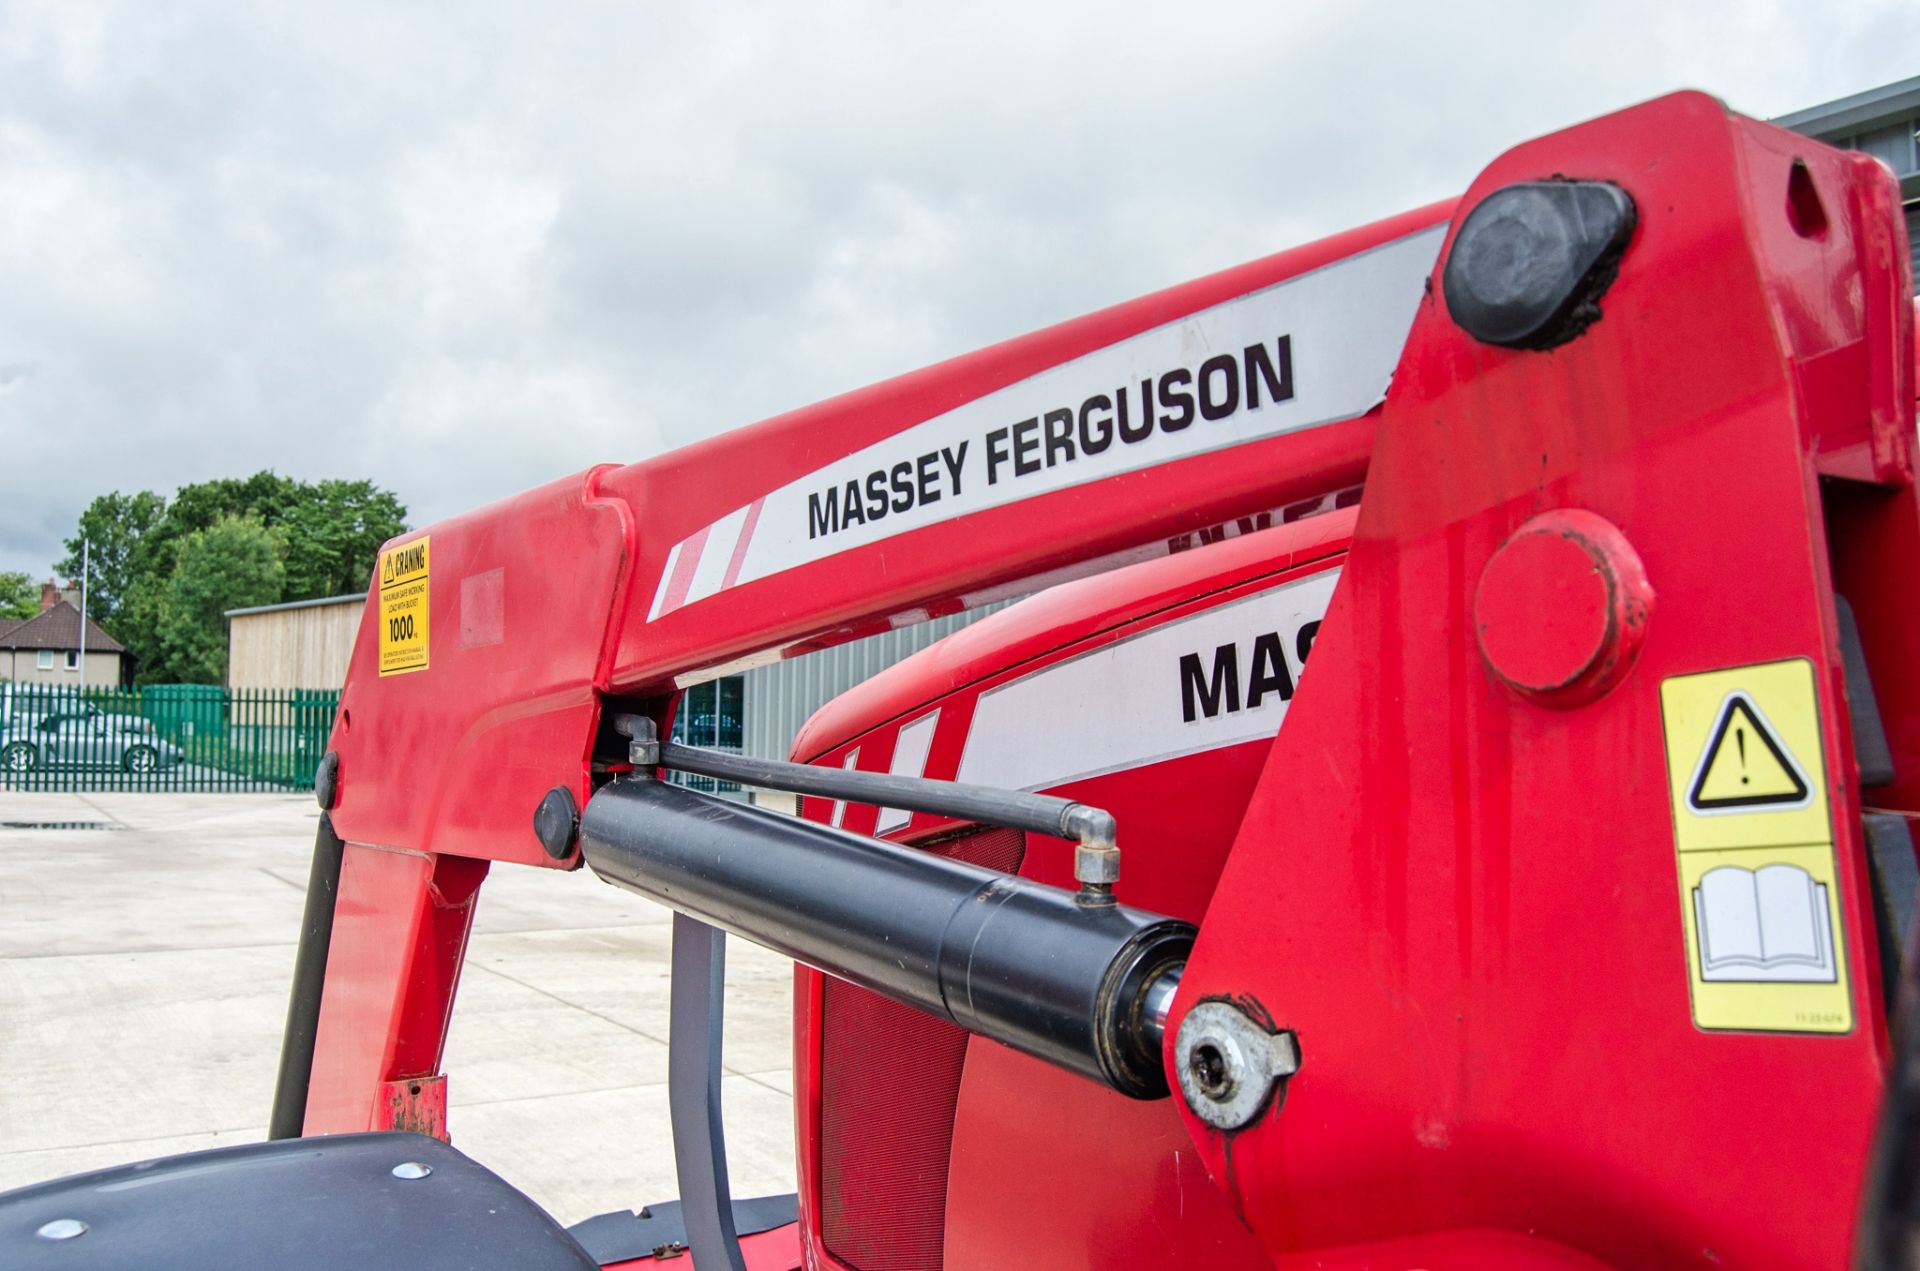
x=115, y=528
x=233, y=563
x=19, y=595
x=334, y=530
x=143, y=625
x=265, y=497
x=329, y=534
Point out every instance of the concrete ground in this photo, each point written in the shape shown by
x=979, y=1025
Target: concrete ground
x=144, y=969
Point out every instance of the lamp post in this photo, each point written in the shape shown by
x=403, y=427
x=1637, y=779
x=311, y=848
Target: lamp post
x=83, y=614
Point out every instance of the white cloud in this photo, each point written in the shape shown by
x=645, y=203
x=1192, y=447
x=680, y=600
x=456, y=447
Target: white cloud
x=509, y=241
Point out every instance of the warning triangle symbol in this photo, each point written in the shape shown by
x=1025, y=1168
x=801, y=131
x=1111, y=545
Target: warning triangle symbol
x=1745, y=764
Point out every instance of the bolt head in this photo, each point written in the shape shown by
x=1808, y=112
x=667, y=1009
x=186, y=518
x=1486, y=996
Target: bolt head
x=411, y=1170
x=1096, y=864
x=1229, y=1066
x=62, y=1229
x=1211, y=1072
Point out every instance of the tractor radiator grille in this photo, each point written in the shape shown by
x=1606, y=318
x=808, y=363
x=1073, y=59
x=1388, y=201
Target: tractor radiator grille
x=889, y=1082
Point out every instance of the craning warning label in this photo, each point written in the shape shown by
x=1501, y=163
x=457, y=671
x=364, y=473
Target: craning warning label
x=404, y=594
x=1759, y=897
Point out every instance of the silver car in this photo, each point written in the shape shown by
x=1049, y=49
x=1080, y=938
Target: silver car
x=82, y=737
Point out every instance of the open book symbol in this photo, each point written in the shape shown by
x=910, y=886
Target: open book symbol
x=1769, y=925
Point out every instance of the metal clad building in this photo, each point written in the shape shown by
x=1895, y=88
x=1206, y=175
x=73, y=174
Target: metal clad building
x=1881, y=122
x=779, y=698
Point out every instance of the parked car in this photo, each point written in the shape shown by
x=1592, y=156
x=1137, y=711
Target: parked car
x=82, y=736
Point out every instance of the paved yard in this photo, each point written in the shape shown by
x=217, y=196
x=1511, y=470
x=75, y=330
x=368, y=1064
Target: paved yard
x=144, y=968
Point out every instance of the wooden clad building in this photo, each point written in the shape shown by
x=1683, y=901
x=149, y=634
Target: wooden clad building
x=303, y=644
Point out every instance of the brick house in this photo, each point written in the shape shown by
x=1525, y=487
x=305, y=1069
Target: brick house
x=45, y=649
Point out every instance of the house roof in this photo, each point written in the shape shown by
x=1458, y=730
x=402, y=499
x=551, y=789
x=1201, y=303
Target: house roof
x=58, y=628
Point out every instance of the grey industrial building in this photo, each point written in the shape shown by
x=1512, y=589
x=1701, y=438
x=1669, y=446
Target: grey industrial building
x=1881, y=122
x=759, y=712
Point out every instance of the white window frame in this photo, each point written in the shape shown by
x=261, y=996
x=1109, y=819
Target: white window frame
x=73, y=659
x=44, y=661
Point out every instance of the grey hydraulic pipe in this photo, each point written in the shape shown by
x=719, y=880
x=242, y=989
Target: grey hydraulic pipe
x=1096, y=859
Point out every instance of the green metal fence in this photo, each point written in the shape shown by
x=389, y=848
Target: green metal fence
x=709, y=715
x=196, y=737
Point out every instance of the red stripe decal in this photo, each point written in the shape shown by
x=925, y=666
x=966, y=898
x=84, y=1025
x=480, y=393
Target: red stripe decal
x=683, y=571
x=740, y=544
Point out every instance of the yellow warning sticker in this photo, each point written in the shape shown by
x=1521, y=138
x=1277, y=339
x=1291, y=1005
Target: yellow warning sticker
x=1759, y=892
x=1744, y=758
x=1744, y=765
x=404, y=594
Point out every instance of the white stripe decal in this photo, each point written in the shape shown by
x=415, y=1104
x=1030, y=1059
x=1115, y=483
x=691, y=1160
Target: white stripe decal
x=1217, y=678
x=722, y=537
x=666, y=578
x=909, y=760
x=839, y=805
x=1309, y=351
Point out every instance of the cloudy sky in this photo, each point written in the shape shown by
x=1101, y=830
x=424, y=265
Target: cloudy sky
x=465, y=248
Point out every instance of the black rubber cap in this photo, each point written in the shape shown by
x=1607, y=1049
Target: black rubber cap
x=1531, y=262
x=556, y=822
x=326, y=781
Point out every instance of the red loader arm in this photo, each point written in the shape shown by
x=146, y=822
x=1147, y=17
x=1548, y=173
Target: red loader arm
x=1486, y=882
